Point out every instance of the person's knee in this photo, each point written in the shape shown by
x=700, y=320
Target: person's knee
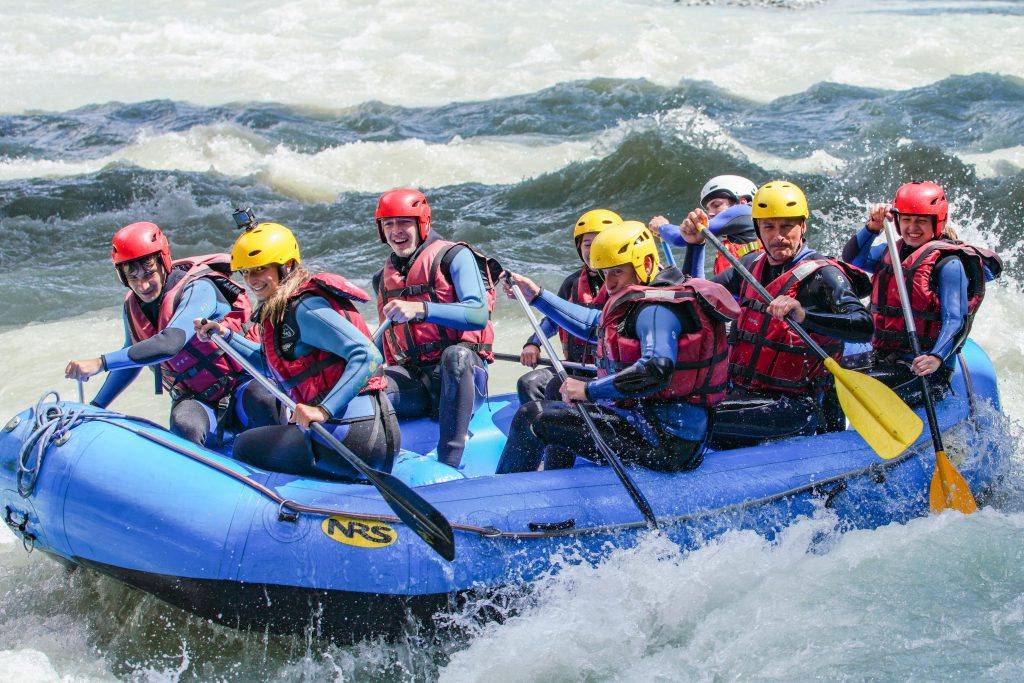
x=527, y=415
x=457, y=361
x=258, y=407
x=532, y=386
x=190, y=422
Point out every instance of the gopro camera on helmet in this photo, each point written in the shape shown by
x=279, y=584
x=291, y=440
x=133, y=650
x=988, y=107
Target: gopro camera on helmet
x=245, y=219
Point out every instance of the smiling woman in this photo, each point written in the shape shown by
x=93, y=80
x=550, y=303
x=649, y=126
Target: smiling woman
x=947, y=283
x=314, y=341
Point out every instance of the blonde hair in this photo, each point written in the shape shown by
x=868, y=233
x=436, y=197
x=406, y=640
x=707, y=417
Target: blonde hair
x=273, y=307
x=948, y=232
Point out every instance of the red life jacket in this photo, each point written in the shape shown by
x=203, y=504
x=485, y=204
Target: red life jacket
x=308, y=379
x=418, y=341
x=737, y=250
x=200, y=370
x=766, y=354
x=702, y=370
x=575, y=349
x=921, y=274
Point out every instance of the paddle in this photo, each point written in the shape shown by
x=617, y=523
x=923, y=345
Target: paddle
x=602, y=446
x=379, y=334
x=568, y=365
x=423, y=518
x=948, y=488
x=885, y=422
x=670, y=260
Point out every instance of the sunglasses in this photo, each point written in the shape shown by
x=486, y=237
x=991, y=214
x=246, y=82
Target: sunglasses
x=140, y=269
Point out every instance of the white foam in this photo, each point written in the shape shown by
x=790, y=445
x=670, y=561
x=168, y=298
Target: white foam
x=331, y=54
x=1000, y=162
x=27, y=666
x=745, y=608
x=696, y=127
x=357, y=167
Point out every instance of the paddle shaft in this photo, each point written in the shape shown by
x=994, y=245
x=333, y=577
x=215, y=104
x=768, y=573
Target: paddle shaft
x=602, y=446
x=410, y=507
x=379, y=334
x=915, y=343
x=759, y=288
x=670, y=259
x=568, y=365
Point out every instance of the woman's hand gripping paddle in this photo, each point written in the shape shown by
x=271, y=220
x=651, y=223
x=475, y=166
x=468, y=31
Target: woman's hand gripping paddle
x=949, y=489
x=422, y=517
x=881, y=417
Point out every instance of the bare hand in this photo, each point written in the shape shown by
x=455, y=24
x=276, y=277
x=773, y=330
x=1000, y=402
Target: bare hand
x=692, y=226
x=530, y=355
x=877, y=217
x=205, y=328
x=787, y=305
x=654, y=225
x=404, y=311
x=305, y=415
x=83, y=369
x=573, y=390
x=531, y=290
x=925, y=365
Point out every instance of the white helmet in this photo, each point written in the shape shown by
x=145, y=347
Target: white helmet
x=733, y=186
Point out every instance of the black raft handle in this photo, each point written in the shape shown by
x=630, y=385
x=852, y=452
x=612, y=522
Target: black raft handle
x=552, y=526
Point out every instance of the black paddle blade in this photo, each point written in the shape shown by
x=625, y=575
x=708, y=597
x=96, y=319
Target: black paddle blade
x=419, y=515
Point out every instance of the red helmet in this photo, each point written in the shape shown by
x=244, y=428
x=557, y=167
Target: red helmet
x=408, y=203
x=922, y=199
x=137, y=240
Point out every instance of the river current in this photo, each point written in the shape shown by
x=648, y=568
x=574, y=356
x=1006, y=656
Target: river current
x=515, y=119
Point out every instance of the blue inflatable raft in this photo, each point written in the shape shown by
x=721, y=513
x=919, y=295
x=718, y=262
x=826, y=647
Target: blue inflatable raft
x=254, y=549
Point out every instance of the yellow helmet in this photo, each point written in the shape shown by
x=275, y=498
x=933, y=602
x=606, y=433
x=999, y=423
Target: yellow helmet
x=629, y=242
x=266, y=243
x=595, y=221
x=780, y=199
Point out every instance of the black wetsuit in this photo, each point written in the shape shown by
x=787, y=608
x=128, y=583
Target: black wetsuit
x=832, y=308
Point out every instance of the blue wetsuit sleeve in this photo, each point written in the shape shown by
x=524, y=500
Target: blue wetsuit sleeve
x=953, y=295
x=114, y=384
x=470, y=311
x=658, y=329
x=117, y=380
x=198, y=300
x=693, y=260
x=671, y=234
x=323, y=327
x=548, y=327
x=859, y=252
x=579, y=321
x=735, y=219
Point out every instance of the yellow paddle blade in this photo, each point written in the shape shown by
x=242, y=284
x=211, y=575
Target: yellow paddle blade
x=887, y=424
x=949, y=489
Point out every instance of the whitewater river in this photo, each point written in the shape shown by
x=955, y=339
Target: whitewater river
x=514, y=118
